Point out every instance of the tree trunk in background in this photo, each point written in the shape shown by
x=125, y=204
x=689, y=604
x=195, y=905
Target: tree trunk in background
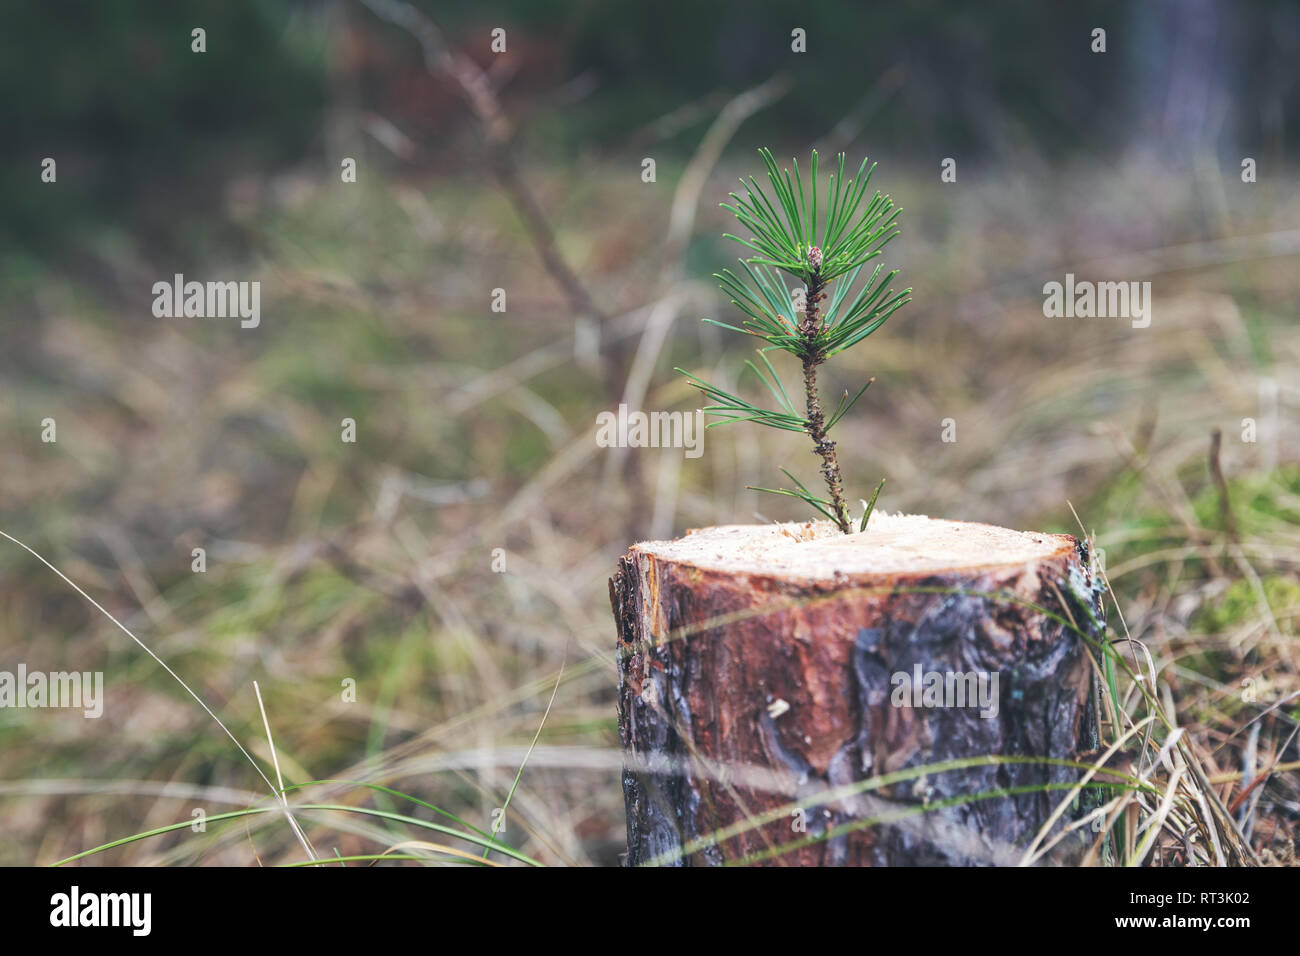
x=757, y=670
x=1186, y=58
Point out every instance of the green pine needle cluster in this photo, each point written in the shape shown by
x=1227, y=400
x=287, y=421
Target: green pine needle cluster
x=824, y=247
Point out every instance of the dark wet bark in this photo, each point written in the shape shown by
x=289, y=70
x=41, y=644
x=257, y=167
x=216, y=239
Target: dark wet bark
x=706, y=658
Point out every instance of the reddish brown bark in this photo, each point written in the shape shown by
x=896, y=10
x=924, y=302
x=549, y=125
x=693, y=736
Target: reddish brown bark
x=742, y=693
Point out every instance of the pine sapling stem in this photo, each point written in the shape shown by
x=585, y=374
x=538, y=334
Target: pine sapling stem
x=822, y=445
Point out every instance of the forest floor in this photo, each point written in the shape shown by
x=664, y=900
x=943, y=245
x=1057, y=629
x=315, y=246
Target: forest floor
x=451, y=565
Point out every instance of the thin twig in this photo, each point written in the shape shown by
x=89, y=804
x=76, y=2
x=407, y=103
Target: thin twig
x=1221, y=484
x=479, y=93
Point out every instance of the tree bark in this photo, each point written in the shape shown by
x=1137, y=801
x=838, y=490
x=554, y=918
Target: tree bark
x=761, y=666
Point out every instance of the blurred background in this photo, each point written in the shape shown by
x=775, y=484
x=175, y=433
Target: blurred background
x=453, y=561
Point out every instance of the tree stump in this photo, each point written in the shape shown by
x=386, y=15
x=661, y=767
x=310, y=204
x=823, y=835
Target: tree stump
x=761, y=666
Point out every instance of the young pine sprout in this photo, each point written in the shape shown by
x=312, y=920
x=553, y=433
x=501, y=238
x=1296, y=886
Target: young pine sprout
x=824, y=248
